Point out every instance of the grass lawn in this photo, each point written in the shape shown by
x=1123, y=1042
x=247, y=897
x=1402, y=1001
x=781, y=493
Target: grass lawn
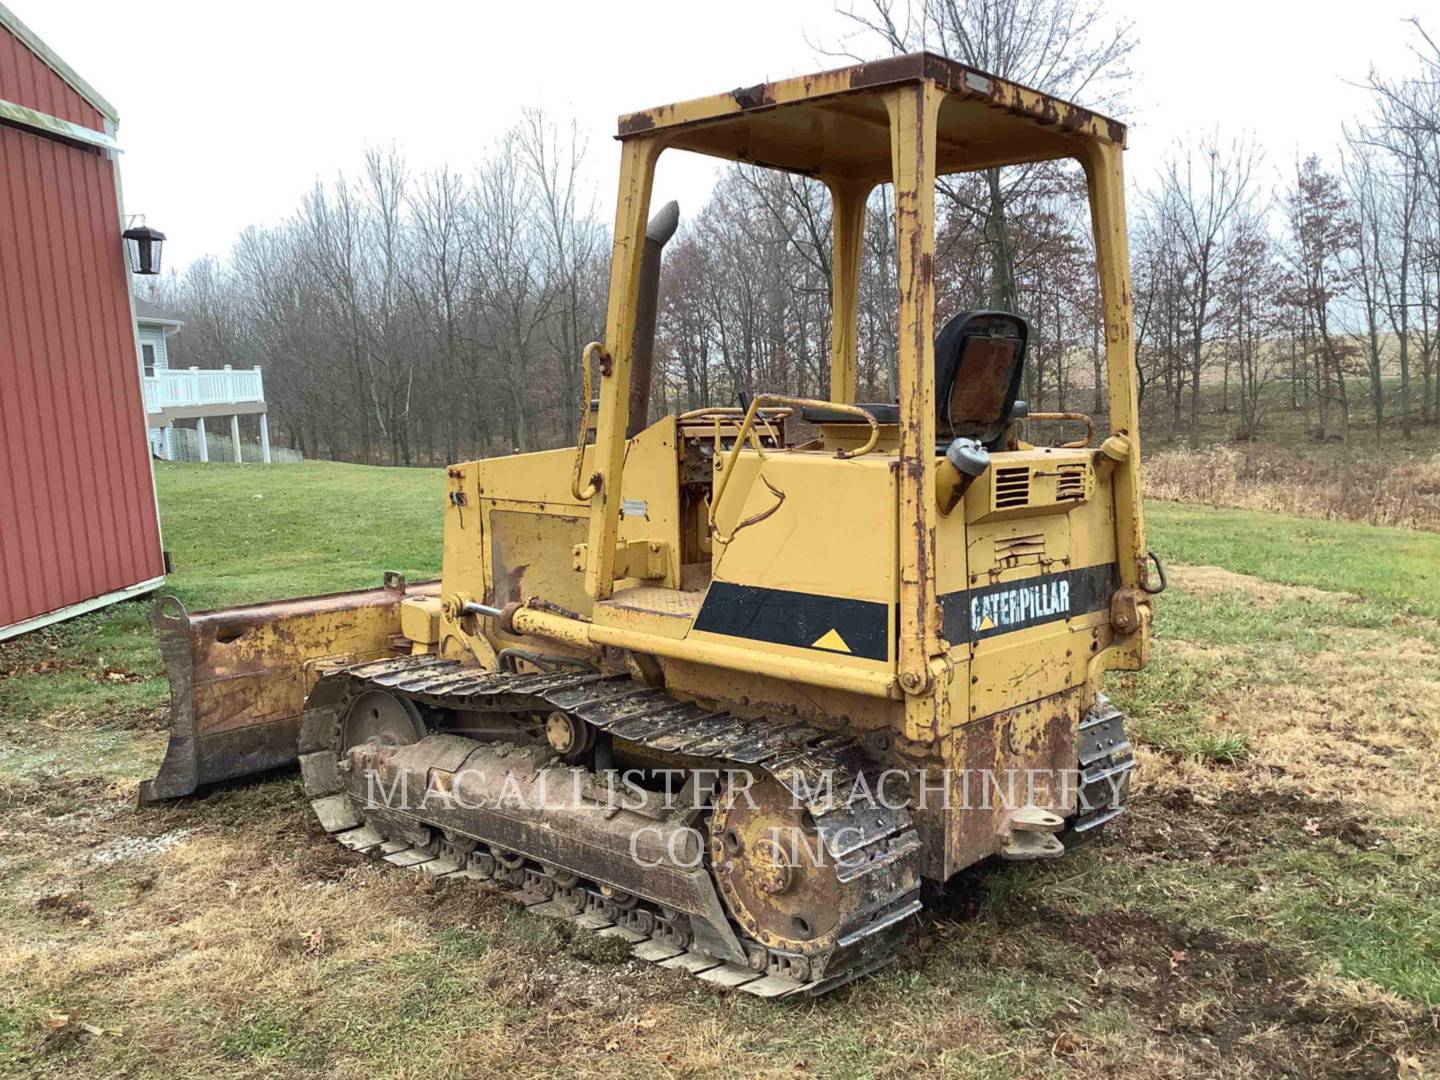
x=1269, y=907
x=240, y=534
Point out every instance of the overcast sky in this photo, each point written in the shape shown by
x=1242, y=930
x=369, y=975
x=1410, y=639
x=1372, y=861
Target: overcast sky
x=230, y=111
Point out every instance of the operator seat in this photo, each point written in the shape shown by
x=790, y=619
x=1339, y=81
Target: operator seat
x=979, y=362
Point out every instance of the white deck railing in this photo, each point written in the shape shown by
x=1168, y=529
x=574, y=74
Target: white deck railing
x=196, y=386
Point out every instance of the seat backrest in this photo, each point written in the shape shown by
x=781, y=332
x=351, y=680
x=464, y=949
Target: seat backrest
x=979, y=361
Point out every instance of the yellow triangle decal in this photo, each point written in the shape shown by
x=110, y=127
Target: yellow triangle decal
x=833, y=641
x=987, y=623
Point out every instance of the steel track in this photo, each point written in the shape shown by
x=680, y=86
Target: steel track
x=865, y=841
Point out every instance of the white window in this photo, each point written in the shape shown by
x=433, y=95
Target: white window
x=147, y=359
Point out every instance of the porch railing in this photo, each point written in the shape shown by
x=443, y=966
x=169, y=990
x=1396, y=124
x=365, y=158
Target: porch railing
x=168, y=389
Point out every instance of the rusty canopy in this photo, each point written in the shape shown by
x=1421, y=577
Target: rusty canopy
x=824, y=125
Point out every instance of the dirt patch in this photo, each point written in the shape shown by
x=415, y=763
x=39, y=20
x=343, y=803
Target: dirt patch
x=65, y=905
x=1214, y=581
x=1182, y=822
x=1218, y=1006
x=1155, y=994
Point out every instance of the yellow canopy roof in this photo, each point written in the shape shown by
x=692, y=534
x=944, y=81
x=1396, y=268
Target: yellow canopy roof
x=835, y=124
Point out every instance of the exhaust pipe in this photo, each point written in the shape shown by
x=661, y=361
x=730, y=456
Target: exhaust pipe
x=642, y=364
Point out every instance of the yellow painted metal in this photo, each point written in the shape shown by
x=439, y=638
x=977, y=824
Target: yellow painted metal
x=645, y=560
x=833, y=124
x=637, y=175
x=420, y=619
x=847, y=218
x=913, y=111
x=757, y=658
x=606, y=548
x=588, y=492
x=747, y=429
x=833, y=534
x=1106, y=180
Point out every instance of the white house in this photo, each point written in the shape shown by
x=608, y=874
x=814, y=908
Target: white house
x=192, y=394
x=152, y=327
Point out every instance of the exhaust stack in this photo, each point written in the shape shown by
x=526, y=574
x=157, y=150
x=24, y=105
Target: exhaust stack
x=642, y=365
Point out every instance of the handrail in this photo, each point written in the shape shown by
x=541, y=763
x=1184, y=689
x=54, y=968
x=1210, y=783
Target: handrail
x=592, y=487
x=1078, y=417
x=732, y=410
x=747, y=430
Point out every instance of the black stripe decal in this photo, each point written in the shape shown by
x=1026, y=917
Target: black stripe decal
x=795, y=618
x=976, y=614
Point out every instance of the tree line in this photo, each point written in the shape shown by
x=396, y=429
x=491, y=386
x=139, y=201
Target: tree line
x=417, y=318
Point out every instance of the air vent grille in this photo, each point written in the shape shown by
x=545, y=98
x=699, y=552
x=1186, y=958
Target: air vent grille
x=1012, y=487
x=1070, y=484
x=1030, y=546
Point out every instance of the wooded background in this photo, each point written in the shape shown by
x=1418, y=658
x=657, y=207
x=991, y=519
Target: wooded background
x=418, y=318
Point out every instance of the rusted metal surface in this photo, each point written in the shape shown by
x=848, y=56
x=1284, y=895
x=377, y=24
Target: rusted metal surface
x=1026, y=756
x=507, y=796
x=78, y=499
x=504, y=809
x=953, y=78
x=1070, y=417
x=913, y=114
x=767, y=863
x=239, y=676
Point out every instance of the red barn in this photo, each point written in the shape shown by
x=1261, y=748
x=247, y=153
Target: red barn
x=79, y=525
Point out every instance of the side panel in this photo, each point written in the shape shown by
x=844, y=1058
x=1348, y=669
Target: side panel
x=812, y=563
x=77, y=500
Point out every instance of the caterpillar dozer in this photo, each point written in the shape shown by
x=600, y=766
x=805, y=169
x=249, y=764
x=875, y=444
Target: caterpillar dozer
x=732, y=685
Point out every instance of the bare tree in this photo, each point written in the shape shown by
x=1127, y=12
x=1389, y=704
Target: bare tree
x=1201, y=201
x=1069, y=48
x=573, y=240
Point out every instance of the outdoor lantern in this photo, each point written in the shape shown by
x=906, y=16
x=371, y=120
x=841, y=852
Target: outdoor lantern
x=145, y=244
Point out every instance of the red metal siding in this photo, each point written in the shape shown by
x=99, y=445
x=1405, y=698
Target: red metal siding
x=27, y=80
x=77, y=503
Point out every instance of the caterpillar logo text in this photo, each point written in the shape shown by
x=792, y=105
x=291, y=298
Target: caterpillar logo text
x=974, y=614
x=1023, y=605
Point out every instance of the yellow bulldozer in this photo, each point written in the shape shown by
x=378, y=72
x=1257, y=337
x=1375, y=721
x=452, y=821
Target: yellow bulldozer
x=733, y=685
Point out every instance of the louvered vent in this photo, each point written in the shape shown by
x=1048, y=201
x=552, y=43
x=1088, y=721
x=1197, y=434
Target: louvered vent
x=1012, y=487
x=1032, y=545
x=1070, y=484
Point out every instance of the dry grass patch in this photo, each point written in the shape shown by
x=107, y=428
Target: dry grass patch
x=1353, y=716
x=1271, y=478
x=1215, y=581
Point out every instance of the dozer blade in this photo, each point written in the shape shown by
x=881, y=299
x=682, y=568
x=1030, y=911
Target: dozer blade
x=239, y=676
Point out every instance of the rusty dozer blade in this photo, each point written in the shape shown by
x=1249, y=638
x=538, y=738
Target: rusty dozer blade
x=239, y=676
